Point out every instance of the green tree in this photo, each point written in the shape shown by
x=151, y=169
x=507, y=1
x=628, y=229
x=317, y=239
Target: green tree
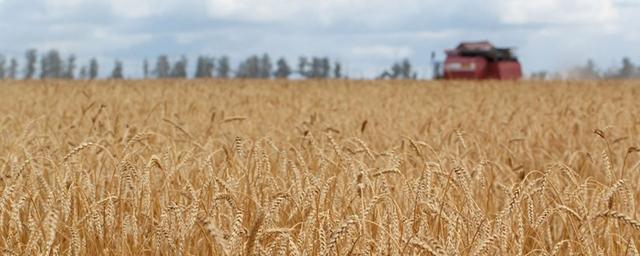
x=93, y=68
x=249, y=68
x=51, y=65
x=117, y=72
x=316, y=67
x=71, y=67
x=406, y=69
x=30, y=69
x=627, y=68
x=337, y=70
x=180, y=68
x=145, y=69
x=303, y=62
x=283, y=71
x=265, y=66
x=3, y=61
x=224, y=67
x=13, y=69
x=325, y=68
x=83, y=73
x=163, y=67
x=205, y=67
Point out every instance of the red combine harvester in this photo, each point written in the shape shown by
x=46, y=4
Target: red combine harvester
x=481, y=60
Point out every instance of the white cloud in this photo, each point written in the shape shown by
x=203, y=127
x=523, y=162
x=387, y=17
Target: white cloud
x=117, y=41
x=119, y=8
x=97, y=41
x=267, y=10
x=58, y=8
x=565, y=12
x=134, y=9
x=324, y=12
x=190, y=37
x=383, y=51
x=368, y=34
x=371, y=12
x=147, y=8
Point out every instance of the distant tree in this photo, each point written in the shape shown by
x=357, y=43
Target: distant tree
x=83, y=73
x=627, y=69
x=2, y=67
x=180, y=68
x=57, y=65
x=282, y=69
x=13, y=69
x=209, y=69
x=253, y=67
x=320, y=68
x=243, y=69
x=436, y=67
x=51, y=65
x=224, y=67
x=399, y=70
x=384, y=75
x=249, y=68
x=93, y=68
x=303, y=62
x=44, y=67
x=325, y=68
x=71, y=67
x=200, y=67
x=117, y=70
x=32, y=58
x=337, y=70
x=316, y=67
x=406, y=69
x=163, y=67
x=204, y=67
x=145, y=68
x=265, y=67
x=396, y=71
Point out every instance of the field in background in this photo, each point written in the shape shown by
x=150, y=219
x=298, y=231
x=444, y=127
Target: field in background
x=319, y=168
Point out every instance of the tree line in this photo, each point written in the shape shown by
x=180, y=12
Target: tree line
x=399, y=70
x=53, y=65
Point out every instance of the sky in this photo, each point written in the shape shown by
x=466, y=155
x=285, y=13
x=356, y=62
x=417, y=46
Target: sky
x=367, y=36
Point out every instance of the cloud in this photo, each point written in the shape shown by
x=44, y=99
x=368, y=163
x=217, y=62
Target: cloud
x=365, y=35
x=255, y=11
x=565, y=12
x=327, y=12
x=135, y=9
x=382, y=51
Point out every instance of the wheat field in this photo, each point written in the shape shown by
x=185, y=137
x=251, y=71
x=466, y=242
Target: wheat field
x=257, y=167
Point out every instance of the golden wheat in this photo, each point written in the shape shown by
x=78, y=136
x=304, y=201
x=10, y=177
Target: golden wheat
x=261, y=167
